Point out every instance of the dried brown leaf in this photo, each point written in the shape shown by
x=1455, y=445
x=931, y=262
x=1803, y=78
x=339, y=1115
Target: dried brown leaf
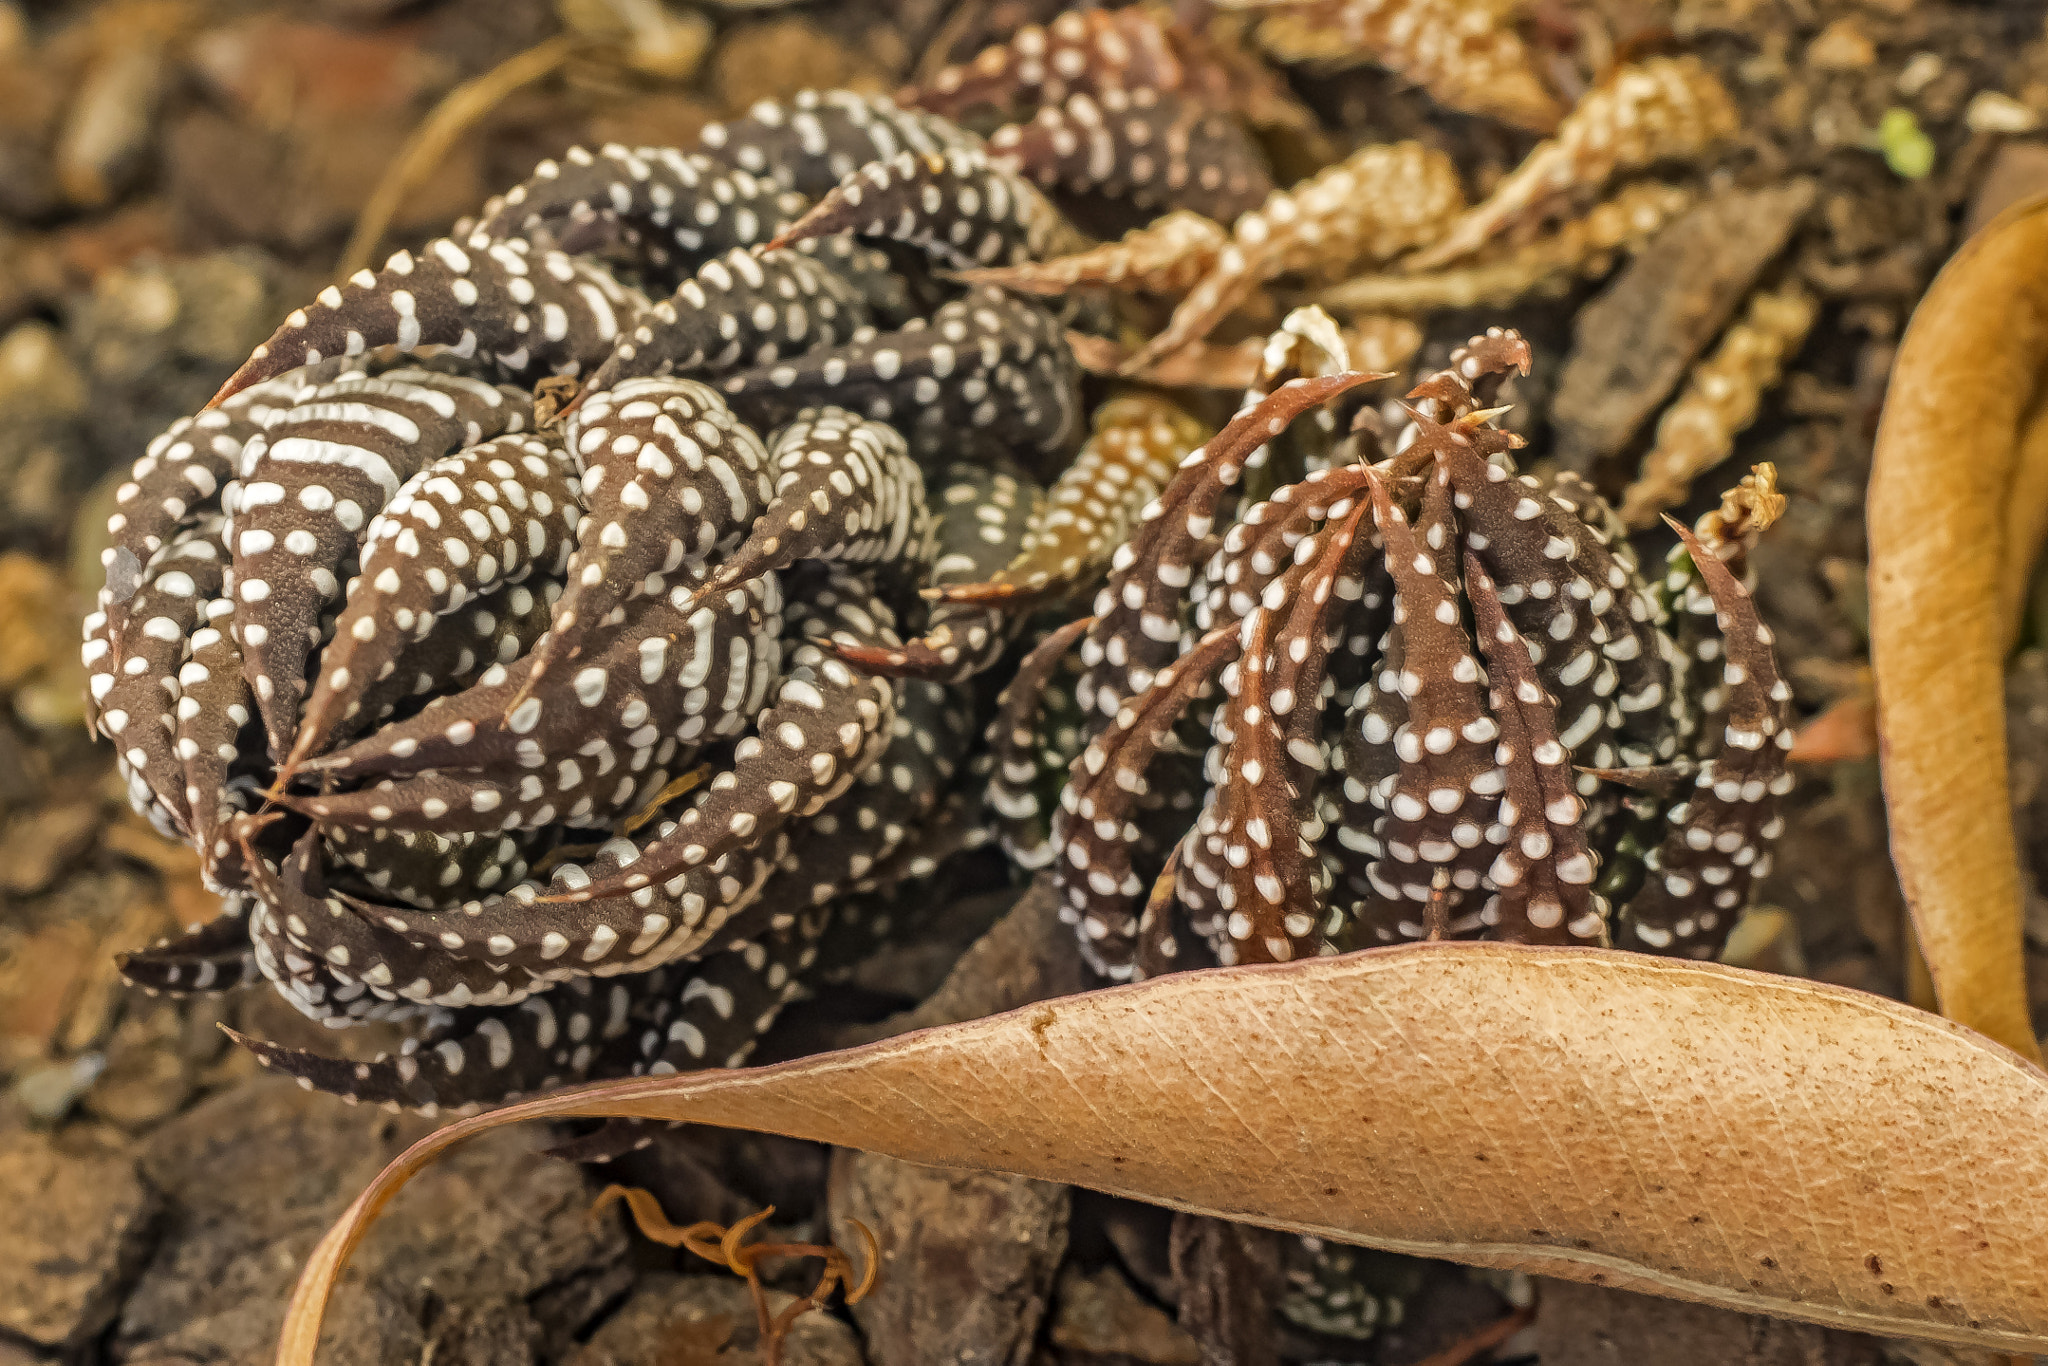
x=1956, y=510
x=1721, y=398
x=1664, y=108
x=1764, y=1143
x=1372, y=343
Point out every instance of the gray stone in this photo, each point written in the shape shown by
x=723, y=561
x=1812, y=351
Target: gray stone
x=968, y=1258
x=78, y=1218
x=687, y=1320
x=488, y=1256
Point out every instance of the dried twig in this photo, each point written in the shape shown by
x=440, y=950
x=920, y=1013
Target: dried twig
x=728, y=1247
x=459, y=111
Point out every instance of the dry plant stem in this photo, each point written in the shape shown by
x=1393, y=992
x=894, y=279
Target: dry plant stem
x=728, y=1248
x=1481, y=1342
x=1947, y=497
x=459, y=111
x=1418, y=1099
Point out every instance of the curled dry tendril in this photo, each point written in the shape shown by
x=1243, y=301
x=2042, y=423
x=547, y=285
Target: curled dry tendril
x=727, y=1246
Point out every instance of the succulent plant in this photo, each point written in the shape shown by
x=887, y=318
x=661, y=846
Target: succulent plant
x=570, y=637
x=1440, y=699
x=470, y=699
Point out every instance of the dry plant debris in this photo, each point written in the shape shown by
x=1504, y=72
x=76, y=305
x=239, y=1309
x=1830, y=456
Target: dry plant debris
x=728, y=1247
x=1136, y=1091
x=1465, y=53
x=880, y=321
x=1721, y=396
x=1942, y=621
x=1662, y=109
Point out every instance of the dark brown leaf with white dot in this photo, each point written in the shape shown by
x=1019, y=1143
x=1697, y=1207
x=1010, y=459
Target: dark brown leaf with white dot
x=588, y=741
x=467, y=708
x=1441, y=700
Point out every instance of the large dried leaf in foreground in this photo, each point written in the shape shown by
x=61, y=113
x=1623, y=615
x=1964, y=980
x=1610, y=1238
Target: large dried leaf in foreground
x=1958, y=505
x=1760, y=1142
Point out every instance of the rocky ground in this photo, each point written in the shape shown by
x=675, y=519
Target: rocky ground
x=176, y=174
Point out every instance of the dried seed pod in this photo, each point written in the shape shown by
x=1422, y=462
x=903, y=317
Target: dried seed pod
x=1583, y=248
x=1465, y=53
x=1662, y=109
x=1154, y=149
x=1372, y=206
x=1720, y=399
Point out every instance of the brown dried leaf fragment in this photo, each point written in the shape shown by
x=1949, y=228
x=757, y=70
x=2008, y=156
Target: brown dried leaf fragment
x=1702, y=1102
x=1747, y=511
x=1720, y=399
x=1581, y=249
x=1372, y=343
x=1955, y=508
x=1465, y=53
x=1138, y=442
x=1663, y=109
x=1372, y=206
